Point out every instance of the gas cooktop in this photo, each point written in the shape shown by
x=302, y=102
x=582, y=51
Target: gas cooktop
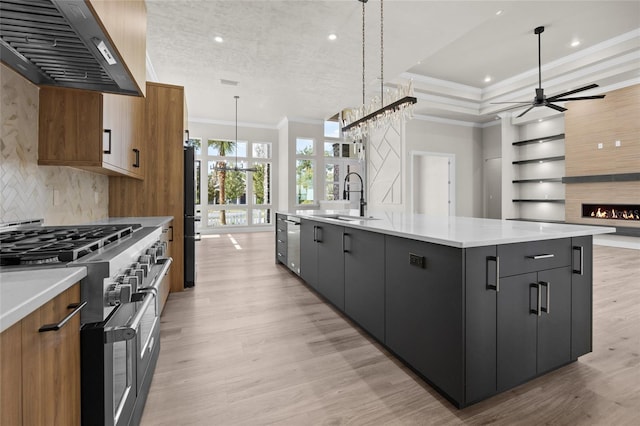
x=57, y=245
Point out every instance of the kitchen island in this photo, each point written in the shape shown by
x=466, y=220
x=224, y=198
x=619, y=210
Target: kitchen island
x=474, y=306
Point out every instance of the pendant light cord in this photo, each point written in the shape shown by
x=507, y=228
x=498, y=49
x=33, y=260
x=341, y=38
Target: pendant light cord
x=381, y=53
x=236, y=97
x=363, y=2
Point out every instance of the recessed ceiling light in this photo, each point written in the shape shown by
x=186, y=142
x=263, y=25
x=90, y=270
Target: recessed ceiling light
x=487, y=79
x=498, y=13
x=332, y=37
x=540, y=120
x=218, y=39
x=575, y=43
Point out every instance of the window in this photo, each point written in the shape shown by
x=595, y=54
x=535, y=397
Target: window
x=331, y=129
x=235, y=197
x=305, y=171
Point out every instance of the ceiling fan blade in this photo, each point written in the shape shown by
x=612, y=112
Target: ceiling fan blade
x=571, y=92
x=515, y=107
x=515, y=102
x=579, y=98
x=525, y=111
x=556, y=107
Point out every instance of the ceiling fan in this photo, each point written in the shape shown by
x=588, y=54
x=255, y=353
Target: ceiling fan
x=541, y=100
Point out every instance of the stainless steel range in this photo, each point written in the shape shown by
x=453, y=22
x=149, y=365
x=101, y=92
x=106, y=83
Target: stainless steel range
x=120, y=335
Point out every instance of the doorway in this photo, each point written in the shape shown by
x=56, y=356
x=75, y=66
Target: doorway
x=433, y=183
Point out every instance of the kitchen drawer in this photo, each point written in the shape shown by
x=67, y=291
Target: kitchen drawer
x=281, y=223
x=521, y=258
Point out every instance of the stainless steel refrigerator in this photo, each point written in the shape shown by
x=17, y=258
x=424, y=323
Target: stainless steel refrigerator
x=190, y=234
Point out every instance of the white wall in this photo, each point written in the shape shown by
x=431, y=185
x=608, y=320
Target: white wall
x=465, y=143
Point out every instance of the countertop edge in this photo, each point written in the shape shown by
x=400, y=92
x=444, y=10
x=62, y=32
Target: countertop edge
x=34, y=301
x=145, y=221
x=527, y=236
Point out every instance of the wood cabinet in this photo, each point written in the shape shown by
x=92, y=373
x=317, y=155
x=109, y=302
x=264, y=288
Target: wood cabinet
x=125, y=23
x=41, y=370
x=423, y=310
x=161, y=193
x=101, y=133
x=364, y=280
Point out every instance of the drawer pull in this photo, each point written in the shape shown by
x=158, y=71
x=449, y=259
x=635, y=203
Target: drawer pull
x=537, y=311
x=541, y=256
x=77, y=307
x=581, y=251
x=495, y=286
x=547, y=288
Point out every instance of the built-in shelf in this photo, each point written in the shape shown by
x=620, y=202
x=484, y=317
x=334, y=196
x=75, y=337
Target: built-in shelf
x=543, y=200
x=539, y=140
x=537, y=180
x=539, y=160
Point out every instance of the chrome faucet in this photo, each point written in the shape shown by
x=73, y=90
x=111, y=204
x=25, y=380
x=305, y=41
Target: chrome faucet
x=345, y=192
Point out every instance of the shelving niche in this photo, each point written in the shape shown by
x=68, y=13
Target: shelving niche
x=539, y=170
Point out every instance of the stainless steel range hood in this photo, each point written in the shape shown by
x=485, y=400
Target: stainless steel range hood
x=60, y=43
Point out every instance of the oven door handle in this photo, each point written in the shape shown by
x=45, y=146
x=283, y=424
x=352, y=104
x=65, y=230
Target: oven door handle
x=153, y=288
x=128, y=331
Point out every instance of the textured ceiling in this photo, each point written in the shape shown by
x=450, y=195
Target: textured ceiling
x=285, y=66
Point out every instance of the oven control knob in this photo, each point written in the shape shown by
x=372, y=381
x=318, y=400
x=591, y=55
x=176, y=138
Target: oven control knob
x=152, y=255
x=145, y=261
x=138, y=272
x=161, y=248
x=118, y=293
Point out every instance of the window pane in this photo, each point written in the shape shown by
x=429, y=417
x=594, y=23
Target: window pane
x=261, y=216
x=332, y=191
x=242, y=149
x=261, y=150
x=331, y=129
x=226, y=217
x=304, y=146
x=261, y=180
x=304, y=181
x=197, y=144
x=235, y=185
x=213, y=193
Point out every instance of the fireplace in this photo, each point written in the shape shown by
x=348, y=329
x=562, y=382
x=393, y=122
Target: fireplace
x=630, y=212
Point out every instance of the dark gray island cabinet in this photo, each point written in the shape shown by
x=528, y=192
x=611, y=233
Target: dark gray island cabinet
x=472, y=321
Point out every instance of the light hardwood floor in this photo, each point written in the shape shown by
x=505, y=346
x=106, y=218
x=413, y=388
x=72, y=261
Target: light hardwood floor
x=252, y=345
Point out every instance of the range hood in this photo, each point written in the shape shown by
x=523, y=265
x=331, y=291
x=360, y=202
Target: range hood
x=61, y=43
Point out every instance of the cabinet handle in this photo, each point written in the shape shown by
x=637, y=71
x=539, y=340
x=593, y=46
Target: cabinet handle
x=291, y=222
x=541, y=256
x=495, y=287
x=186, y=132
x=581, y=251
x=537, y=310
x=280, y=241
x=77, y=307
x=344, y=247
x=171, y=238
x=315, y=234
x=137, y=152
x=108, y=133
x=547, y=288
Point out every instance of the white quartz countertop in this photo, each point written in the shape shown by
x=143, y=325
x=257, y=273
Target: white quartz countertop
x=22, y=292
x=146, y=222
x=452, y=231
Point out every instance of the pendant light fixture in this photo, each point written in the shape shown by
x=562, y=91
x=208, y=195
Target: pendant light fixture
x=235, y=168
x=357, y=122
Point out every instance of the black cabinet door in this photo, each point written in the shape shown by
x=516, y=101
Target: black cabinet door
x=331, y=263
x=423, y=313
x=480, y=322
x=554, y=322
x=581, y=295
x=309, y=252
x=516, y=330
x=281, y=239
x=364, y=280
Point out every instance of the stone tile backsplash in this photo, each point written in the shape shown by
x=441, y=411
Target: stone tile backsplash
x=59, y=195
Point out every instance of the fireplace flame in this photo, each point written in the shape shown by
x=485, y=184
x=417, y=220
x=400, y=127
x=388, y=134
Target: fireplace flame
x=615, y=213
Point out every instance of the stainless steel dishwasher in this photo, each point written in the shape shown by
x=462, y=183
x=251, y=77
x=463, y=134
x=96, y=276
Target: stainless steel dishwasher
x=293, y=243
